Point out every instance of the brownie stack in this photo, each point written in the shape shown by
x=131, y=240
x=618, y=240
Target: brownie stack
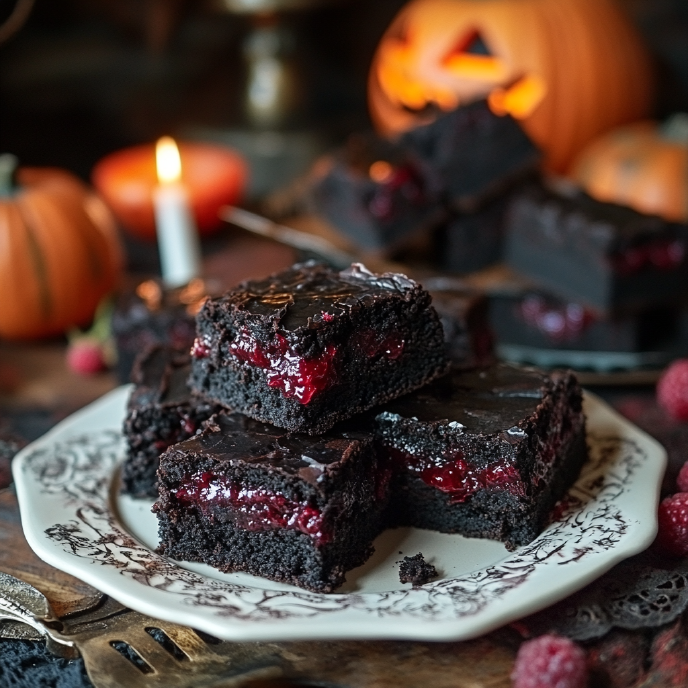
x=446, y=183
x=329, y=412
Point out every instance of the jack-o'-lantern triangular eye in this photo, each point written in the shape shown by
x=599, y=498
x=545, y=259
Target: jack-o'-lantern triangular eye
x=472, y=58
x=475, y=45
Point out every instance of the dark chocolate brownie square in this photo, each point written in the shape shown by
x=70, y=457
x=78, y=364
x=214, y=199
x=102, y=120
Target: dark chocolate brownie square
x=310, y=346
x=464, y=318
x=373, y=194
x=244, y=496
x=161, y=411
x=485, y=453
x=473, y=154
x=467, y=242
x=537, y=319
x=152, y=314
x=606, y=256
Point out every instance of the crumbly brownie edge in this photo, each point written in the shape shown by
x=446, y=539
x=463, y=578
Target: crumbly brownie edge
x=496, y=516
x=368, y=383
x=148, y=431
x=557, y=427
x=353, y=504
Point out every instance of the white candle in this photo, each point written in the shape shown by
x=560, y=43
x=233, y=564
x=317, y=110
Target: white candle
x=180, y=250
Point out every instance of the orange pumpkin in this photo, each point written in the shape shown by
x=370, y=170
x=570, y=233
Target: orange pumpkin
x=569, y=69
x=643, y=165
x=59, y=254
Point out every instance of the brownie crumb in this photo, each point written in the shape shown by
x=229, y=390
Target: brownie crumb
x=416, y=570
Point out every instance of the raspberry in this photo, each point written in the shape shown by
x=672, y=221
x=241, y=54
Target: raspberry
x=672, y=389
x=550, y=662
x=85, y=357
x=682, y=479
x=673, y=524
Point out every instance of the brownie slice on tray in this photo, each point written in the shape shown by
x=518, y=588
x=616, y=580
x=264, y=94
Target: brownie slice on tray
x=310, y=346
x=485, y=453
x=605, y=256
x=245, y=496
x=162, y=410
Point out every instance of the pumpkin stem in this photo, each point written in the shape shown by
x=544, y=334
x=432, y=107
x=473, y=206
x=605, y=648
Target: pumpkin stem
x=8, y=166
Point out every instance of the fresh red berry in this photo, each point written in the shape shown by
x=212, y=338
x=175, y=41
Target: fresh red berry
x=682, y=480
x=550, y=661
x=673, y=524
x=85, y=357
x=672, y=389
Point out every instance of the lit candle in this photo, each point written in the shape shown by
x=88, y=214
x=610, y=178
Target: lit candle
x=180, y=251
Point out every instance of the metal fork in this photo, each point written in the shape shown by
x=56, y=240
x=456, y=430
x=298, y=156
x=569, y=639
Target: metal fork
x=124, y=648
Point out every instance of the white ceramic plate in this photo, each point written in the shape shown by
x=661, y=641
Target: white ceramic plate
x=74, y=519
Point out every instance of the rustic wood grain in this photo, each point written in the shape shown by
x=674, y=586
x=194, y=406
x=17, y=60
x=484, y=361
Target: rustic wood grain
x=66, y=593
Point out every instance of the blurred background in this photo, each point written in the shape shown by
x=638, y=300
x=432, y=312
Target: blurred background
x=82, y=78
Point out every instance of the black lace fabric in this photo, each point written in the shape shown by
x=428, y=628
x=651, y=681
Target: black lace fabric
x=646, y=591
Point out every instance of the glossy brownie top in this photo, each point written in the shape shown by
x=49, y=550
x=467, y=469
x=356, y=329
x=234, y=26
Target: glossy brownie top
x=160, y=376
x=563, y=212
x=309, y=293
x=481, y=401
x=239, y=439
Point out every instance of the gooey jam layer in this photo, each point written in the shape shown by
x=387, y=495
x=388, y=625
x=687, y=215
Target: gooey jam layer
x=297, y=377
x=663, y=254
x=560, y=323
x=373, y=344
x=252, y=508
x=456, y=477
x=301, y=378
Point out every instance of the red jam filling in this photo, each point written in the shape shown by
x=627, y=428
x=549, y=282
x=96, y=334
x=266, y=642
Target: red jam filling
x=374, y=344
x=297, y=377
x=403, y=182
x=253, y=508
x=200, y=348
x=456, y=477
x=662, y=255
x=187, y=428
x=561, y=323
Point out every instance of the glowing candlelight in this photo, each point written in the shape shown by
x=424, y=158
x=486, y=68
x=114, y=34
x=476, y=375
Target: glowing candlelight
x=180, y=251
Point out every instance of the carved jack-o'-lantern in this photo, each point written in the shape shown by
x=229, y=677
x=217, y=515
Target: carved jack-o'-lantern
x=569, y=69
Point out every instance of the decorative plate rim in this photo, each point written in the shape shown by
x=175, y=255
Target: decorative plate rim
x=63, y=483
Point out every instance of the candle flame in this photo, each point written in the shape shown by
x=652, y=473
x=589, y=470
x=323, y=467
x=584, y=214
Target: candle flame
x=168, y=161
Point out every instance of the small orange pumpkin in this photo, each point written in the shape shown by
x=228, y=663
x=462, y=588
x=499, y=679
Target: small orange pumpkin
x=569, y=69
x=59, y=253
x=644, y=165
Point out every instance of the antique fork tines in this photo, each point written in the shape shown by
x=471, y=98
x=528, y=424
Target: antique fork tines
x=121, y=647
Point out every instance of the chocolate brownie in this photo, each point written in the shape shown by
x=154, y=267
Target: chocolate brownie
x=464, y=318
x=473, y=154
x=152, y=314
x=537, y=319
x=245, y=496
x=467, y=242
x=310, y=346
x=608, y=257
x=161, y=411
x=485, y=453
x=373, y=194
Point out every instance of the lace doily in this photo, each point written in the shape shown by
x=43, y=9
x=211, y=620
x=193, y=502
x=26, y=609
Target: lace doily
x=645, y=591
